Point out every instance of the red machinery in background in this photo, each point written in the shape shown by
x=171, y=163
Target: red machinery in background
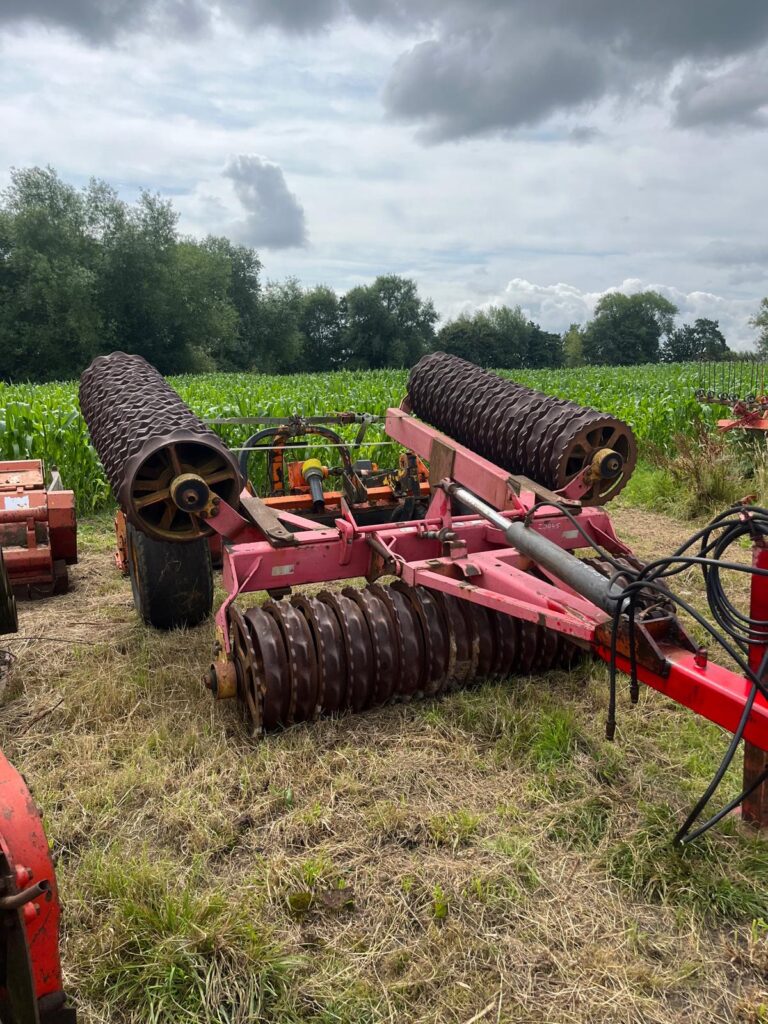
x=31, y=989
x=38, y=529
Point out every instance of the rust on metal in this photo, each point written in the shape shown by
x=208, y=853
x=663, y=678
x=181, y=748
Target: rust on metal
x=302, y=661
x=366, y=647
x=357, y=646
x=272, y=671
x=385, y=665
x=146, y=438
x=534, y=436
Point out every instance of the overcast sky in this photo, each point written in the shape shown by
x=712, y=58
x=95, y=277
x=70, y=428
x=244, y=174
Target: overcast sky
x=533, y=152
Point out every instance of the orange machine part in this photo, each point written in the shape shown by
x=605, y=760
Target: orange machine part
x=38, y=529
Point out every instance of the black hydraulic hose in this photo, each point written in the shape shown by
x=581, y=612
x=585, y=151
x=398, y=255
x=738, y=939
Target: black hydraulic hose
x=735, y=634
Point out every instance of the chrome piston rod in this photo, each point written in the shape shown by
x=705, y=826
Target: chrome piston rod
x=579, y=576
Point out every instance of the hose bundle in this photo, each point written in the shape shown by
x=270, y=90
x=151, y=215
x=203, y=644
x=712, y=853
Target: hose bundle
x=733, y=630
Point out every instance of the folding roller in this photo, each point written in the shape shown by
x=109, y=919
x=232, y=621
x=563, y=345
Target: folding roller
x=356, y=649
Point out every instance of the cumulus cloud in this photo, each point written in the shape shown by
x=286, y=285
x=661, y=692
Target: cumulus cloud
x=275, y=217
x=557, y=306
x=489, y=66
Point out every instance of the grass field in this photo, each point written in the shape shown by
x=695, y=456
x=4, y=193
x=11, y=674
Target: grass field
x=43, y=421
x=486, y=858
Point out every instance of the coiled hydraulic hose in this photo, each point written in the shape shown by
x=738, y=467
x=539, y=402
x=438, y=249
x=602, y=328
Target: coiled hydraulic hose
x=732, y=630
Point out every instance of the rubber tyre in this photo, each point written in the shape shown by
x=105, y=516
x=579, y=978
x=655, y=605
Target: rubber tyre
x=172, y=583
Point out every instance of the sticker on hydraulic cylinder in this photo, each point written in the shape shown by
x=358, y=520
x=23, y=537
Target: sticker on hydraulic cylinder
x=14, y=503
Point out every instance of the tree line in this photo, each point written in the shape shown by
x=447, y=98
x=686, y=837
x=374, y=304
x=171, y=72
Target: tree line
x=82, y=273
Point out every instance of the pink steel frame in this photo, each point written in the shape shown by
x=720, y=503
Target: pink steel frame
x=475, y=564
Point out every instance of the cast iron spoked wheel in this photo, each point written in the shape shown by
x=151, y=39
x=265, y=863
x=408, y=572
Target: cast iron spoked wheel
x=172, y=584
x=576, y=454
x=150, y=502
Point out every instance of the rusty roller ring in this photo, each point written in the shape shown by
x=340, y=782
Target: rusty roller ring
x=485, y=632
x=439, y=641
x=529, y=646
x=302, y=659
x=412, y=663
x=427, y=685
x=386, y=654
x=357, y=647
x=509, y=645
x=244, y=656
x=549, y=648
x=329, y=649
x=272, y=669
x=454, y=640
x=389, y=685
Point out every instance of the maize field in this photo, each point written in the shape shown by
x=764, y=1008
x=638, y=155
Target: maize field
x=43, y=420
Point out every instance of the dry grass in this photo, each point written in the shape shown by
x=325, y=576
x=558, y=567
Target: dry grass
x=486, y=858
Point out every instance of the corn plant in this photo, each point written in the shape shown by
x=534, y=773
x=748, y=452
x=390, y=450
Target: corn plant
x=44, y=421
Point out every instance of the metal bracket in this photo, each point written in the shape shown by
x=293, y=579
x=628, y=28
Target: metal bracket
x=267, y=520
x=520, y=483
x=441, y=458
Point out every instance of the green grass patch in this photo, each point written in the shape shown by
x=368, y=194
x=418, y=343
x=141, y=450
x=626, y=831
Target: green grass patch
x=173, y=950
x=722, y=876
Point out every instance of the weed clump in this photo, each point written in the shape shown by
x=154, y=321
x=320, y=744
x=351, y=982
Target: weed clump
x=703, y=475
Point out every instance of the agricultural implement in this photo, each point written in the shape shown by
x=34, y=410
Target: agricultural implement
x=30, y=969
x=741, y=388
x=487, y=583
x=38, y=530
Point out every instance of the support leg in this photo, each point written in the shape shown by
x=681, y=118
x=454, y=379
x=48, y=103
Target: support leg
x=755, y=808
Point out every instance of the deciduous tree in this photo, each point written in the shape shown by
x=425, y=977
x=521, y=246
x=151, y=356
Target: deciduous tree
x=627, y=329
x=701, y=340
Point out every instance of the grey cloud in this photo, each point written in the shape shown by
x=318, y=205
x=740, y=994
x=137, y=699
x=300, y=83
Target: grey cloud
x=100, y=21
x=721, y=253
x=494, y=65
x=289, y=15
x=486, y=66
x=583, y=134
x=738, y=95
x=473, y=82
x=275, y=217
